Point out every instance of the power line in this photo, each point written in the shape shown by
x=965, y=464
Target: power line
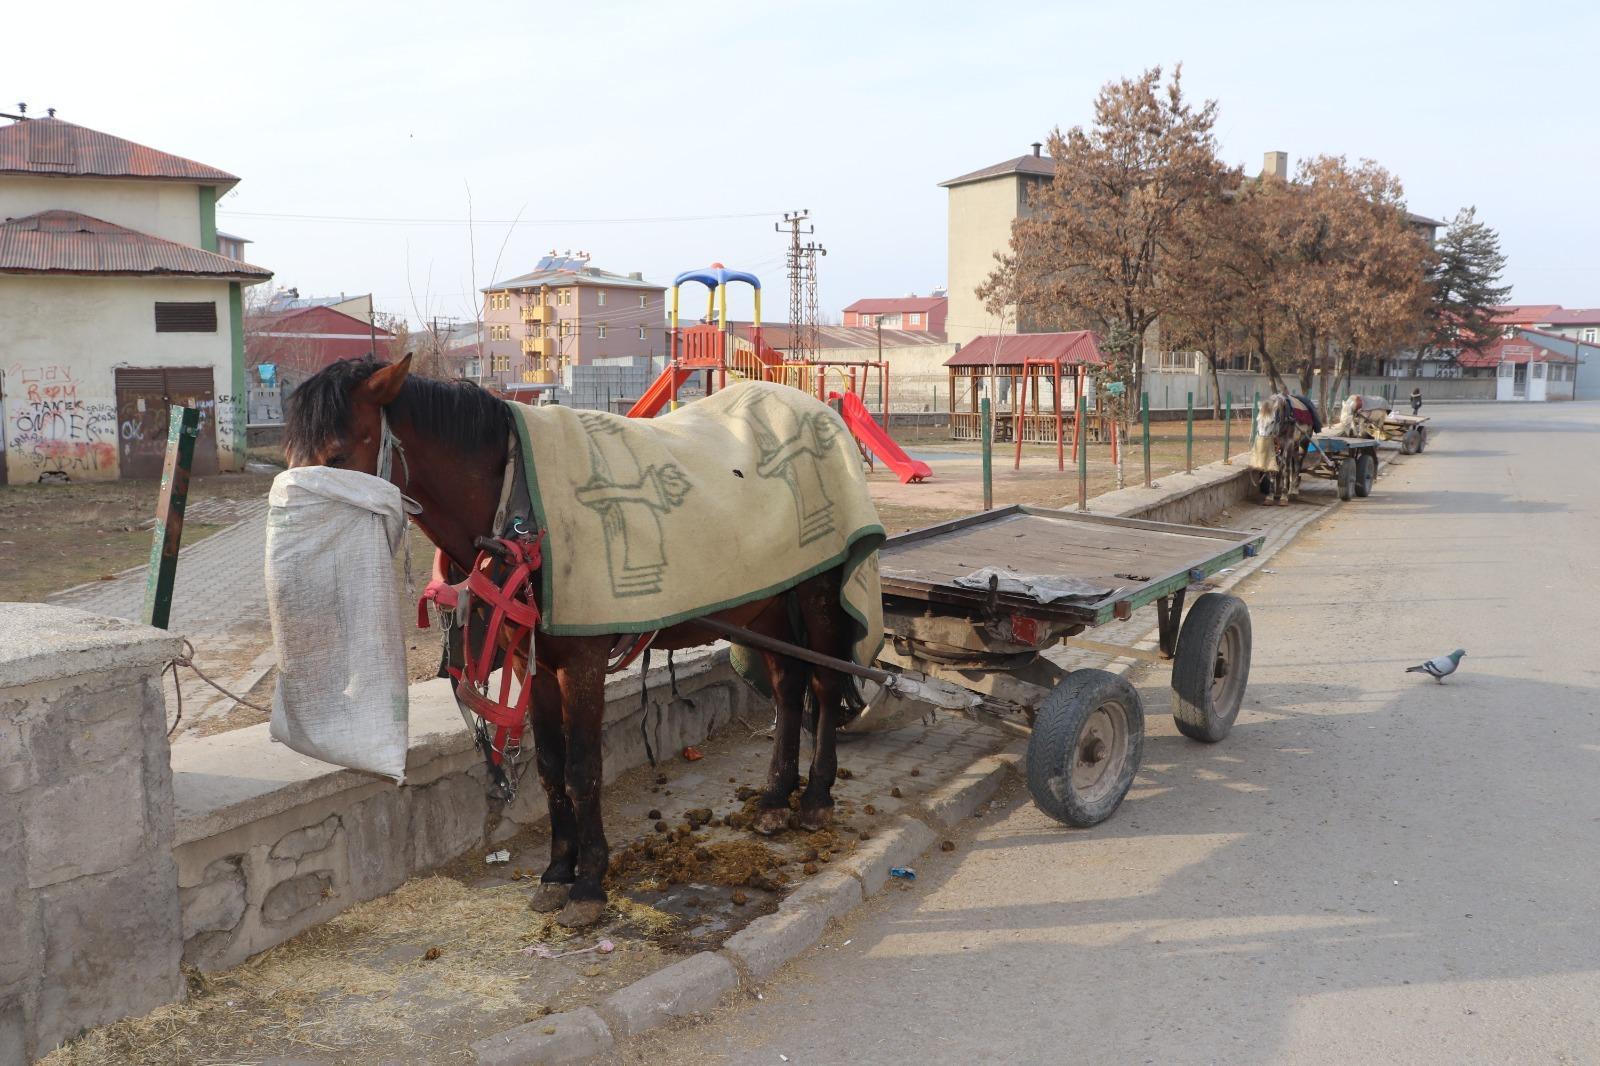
x=376, y=220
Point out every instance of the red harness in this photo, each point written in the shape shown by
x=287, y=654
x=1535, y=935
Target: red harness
x=513, y=622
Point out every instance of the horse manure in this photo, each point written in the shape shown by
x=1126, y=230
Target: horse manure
x=654, y=815
x=845, y=774
x=740, y=897
x=794, y=820
x=702, y=854
x=810, y=868
x=698, y=817
x=824, y=856
x=731, y=780
x=916, y=771
x=745, y=792
x=869, y=809
x=948, y=845
x=864, y=835
x=661, y=827
x=810, y=855
x=431, y=954
x=895, y=792
x=661, y=779
x=767, y=882
x=684, y=829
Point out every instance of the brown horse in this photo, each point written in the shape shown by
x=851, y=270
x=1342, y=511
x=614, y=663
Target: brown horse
x=1284, y=427
x=454, y=438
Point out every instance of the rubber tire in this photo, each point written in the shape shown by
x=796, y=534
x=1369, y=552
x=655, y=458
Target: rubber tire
x=1408, y=443
x=1054, y=745
x=1347, y=479
x=1422, y=439
x=1194, y=706
x=1366, y=473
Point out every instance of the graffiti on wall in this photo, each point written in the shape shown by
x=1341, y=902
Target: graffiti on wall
x=53, y=423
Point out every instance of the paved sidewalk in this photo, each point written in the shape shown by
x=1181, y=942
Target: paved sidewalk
x=219, y=603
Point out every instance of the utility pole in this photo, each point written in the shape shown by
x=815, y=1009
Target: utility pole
x=802, y=266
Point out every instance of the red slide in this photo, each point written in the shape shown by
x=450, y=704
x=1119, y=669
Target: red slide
x=659, y=392
x=867, y=430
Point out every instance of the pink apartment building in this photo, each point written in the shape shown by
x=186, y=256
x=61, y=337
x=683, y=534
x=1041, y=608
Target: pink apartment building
x=566, y=312
x=914, y=314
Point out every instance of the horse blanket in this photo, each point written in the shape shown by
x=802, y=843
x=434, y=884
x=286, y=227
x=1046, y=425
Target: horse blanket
x=733, y=498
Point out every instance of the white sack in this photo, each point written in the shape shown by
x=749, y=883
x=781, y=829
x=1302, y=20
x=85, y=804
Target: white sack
x=333, y=593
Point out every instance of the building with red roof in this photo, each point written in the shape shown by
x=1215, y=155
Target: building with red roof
x=913, y=314
x=117, y=299
x=1526, y=366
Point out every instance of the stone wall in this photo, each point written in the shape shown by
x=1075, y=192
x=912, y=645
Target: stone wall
x=89, y=919
x=270, y=843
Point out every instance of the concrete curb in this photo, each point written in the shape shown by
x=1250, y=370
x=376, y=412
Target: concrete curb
x=762, y=948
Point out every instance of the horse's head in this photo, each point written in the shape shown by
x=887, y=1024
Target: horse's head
x=335, y=418
x=1274, y=417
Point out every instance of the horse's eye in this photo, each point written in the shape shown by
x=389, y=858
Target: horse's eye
x=336, y=460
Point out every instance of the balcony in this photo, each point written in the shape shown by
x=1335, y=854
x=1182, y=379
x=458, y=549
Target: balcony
x=539, y=377
x=538, y=313
x=539, y=347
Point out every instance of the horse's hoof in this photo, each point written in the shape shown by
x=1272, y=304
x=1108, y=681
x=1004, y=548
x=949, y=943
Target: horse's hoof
x=771, y=820
x=579, y=913
x=820, y=818
x=549, y=897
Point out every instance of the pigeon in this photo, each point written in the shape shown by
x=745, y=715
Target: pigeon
x=1439, y=668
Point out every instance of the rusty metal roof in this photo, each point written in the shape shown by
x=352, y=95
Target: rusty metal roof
x=1077, y=346
x=1037, y=165
x=51, y=146
x=66, y=242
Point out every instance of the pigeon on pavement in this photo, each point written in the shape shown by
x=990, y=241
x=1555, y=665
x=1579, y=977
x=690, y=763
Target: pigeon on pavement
x=1439, y=668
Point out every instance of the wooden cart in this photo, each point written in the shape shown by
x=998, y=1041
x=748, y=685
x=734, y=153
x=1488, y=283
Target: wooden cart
x=1086, y=727
x=1409, y=430
x=1350, y=462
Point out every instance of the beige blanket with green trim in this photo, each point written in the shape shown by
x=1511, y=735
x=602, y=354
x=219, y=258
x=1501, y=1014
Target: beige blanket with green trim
x=729, y=499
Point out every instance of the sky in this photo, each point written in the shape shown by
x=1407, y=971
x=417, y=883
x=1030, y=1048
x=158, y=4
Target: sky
x=663, y=136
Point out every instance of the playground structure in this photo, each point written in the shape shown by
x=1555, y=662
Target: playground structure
x=713, y=350
x=1038, y=387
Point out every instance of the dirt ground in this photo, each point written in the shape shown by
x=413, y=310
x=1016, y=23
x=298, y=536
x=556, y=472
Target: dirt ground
x=55, y=536
x=452, y=957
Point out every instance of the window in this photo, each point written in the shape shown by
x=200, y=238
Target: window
x=916, y=318
x=602, y=330
x=644, y=301
x=502, y=362
x=600, y=298
x=198, y=317
x=564, y=297
x=1591, y=334
x=641, y=330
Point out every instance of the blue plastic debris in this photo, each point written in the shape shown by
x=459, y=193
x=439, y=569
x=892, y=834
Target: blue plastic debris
x=904, y=873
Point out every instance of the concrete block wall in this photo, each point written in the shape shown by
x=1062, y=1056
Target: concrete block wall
x=270, y=843
x=89, y=914
x=598, y=386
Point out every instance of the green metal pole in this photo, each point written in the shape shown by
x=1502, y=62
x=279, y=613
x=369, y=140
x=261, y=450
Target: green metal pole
x=1083, y=455
x=183, y=427
x=1144, y=412
x=1188, y=455
x=986, y=431
x=1227, y=432
x=1255, y=407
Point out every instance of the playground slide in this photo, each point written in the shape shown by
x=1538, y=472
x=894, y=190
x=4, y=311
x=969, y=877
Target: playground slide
x=867, y=430
x=656, y=396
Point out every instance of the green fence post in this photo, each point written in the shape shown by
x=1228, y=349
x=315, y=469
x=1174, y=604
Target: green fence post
x=986, y=432
x=183, y=427
x=1254, y=410
x=1188, y=453
x=1227, y=432
x=1083, y=454
x=1144, y=411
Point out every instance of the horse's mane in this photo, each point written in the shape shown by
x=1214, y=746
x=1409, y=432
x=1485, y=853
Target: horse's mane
x=457, y=414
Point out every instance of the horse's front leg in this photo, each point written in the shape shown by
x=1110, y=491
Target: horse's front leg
x=550, y=745
x=582, y=684
x=788, y=678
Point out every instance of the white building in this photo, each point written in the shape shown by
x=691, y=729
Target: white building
x=114, y=302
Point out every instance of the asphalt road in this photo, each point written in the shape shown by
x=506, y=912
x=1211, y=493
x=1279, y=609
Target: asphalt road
x=1372, y=868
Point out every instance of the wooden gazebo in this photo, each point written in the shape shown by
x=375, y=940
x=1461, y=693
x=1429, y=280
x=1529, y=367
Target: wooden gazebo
x=1044, y=377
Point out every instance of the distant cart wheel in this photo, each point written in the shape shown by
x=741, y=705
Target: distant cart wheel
x=1347, y=479
x=1212, y=667
x=1086, y=744
x=1408, y=443
x=1366, y=471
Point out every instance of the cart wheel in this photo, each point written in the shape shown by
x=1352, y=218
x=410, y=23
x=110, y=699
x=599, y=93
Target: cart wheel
x=1085, y=748
x=1422, y=438
x=1366, y=471
x=1408, y=443
x=1347, y=479
x=1212, y=667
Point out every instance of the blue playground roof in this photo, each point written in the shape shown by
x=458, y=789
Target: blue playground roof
x=713, y=276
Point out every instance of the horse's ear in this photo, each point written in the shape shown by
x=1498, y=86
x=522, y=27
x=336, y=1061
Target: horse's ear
x=382, y=387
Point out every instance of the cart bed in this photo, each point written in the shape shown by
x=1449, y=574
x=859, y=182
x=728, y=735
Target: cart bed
x=1139, y=561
